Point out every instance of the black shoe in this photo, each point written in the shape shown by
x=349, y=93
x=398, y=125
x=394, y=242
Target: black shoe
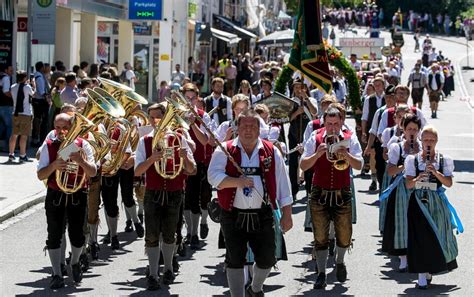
x=332, y=246
x=320, y=281
x=94, y=250
x=63, y=269
x=168, y=277
x=341, y=272
x=175, y=264
x=11, y=158
x=373, y=186
x=76, y=272
x=106, y=239
x=422, y=287
x=433, y=115
x=140, y=217
x=57, y=282
x=194, y=242
x=84, y=262
x=204, y=231
x=181, y=250
x=147, y=271
x=188, y=239
x=128, y=226
x=115, y=245
x=403, y=270
x=139, y=230
x=24, y=159
x=152, y=283
x=251, y=293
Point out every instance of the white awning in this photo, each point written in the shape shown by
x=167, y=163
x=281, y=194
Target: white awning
x=242, y=31
x=230, y=38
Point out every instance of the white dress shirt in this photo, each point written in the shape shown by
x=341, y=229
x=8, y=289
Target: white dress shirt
x=384, y=120
x=216, y=174
x=365, y=108
x=215, y=102
x=354, y=146
x=27, y=91
x=375, y=121
x=410, y=170
x=44, y=160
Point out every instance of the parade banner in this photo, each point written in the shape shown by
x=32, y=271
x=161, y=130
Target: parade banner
x=308, y=54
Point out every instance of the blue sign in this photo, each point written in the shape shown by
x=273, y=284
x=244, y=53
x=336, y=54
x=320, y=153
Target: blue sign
x=145, y=10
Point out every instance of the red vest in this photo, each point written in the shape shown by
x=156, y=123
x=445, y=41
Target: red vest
x=226, y=196
x=154, y=181
x=325, y=175
x=202, y=154
x=53, y=148
x=317, y=124
x=391, y=115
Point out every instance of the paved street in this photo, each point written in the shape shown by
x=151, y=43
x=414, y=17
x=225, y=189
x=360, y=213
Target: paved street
x=25, y=268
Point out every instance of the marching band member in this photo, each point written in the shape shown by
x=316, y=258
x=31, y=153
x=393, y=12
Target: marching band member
x=299, y=118
x=163, y=199
x=228, y=130
x=431, y=246
x=396, y=197
x=60, y=205
x=331, y=197
x=246, y=199
x=198, y=191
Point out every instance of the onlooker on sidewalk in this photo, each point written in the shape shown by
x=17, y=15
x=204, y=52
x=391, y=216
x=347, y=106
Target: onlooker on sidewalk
x=56, y=102
x=230, y=76
x=70, y=93
x=177, y=76
x=22, y=116
x=6, y=103
x=83, y=68
x=128, y=76
x=41, y=104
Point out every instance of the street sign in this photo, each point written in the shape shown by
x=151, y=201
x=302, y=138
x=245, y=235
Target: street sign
x=145, y=10
x=22, y=24
x=386, y=51
x=43, y=21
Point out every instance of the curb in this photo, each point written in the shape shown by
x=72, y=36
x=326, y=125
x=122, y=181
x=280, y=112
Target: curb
x=21, y=206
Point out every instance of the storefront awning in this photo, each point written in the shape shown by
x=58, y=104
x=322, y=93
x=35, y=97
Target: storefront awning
x=230, y=38
x=240, y=31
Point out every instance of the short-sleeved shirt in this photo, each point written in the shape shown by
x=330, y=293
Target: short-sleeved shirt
x=27, y=91
x=44, y=160
x=410, y=170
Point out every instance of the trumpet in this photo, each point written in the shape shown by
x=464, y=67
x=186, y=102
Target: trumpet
x=73, y=178
x=337, y=160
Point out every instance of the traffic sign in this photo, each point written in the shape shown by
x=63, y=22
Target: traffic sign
x=145, y=10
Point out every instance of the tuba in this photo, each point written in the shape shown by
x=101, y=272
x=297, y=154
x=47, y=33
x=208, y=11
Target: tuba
x=338, y=161
x=73, y=178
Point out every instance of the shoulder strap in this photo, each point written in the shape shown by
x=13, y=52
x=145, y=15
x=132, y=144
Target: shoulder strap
x=441, y=163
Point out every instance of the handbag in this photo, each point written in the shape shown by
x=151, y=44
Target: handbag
x=214, y=210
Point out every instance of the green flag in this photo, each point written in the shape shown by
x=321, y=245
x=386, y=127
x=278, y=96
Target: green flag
x=308, y=54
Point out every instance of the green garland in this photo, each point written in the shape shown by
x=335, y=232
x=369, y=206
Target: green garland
x=337, y=60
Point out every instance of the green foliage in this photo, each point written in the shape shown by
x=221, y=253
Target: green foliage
x=292, y=7
x=468, y=13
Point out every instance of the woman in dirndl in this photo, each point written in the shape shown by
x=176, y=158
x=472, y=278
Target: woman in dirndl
x=431, y=246
x=396, y=196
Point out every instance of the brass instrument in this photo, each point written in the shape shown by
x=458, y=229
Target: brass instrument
x=119, y=135
x=72, y=179
x=338, y=161
x=168, y=140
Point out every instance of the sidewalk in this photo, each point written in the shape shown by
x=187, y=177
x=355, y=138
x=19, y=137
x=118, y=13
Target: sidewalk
x=19, y=186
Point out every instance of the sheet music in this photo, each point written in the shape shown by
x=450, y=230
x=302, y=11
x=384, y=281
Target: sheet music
x=333, y=148
x=68, y=150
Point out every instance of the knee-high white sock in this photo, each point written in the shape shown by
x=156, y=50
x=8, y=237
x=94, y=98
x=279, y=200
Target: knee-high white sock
x=204, y=215
x=140, y=207
x=340, y=253
x=55, y=258
x=112, y=222
x=236, y=281
x=63, y=248
x=132, y=212
x=168, y=252
x=403, y=262
x=153, y=259
x=75, y=254
x=93, y=228
x=332, y=231
x=259, y=276
x=187, y=220
x=127, y=214
x=247, y=269
x=195, y=223
x=422, y=279
x=84, y=247
x=321, y=260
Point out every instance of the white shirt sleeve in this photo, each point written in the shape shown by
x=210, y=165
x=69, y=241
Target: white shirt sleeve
x=140, y=153
x=308, y=131
x=216, y=171
x=309, y=146
x=386, y=137
x=222, y=131
x=274, y=133
x=89, y=151
x=6, y=84
x=375, y=123
x=448, y=166
x=365, y=109
x=383, y=122
x=44, y=157
x=422, y=118
x=229, y=109
x=283, y=195
x=355, y=149
x=410, y=166
x=394, y=153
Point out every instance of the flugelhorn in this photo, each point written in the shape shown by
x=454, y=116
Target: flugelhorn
x=72, y=179
x=337, y=160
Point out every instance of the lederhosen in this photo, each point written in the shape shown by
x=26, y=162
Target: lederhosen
x=432, y=245
x=435, y=94
x=60, y=206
